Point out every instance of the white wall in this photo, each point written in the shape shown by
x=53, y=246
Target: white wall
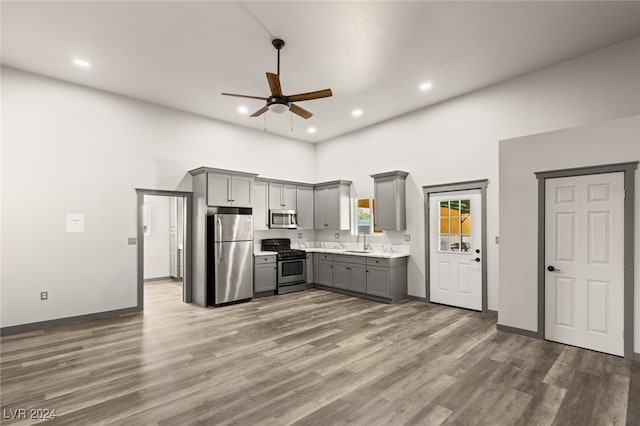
x=157, y=244
x=458, y=140
x=615, y=141
x=70, y=149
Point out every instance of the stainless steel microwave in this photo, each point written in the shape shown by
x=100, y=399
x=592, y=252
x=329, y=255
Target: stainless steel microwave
x=283, y=219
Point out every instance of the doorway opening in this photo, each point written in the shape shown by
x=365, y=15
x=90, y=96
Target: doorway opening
x=456, y=245
x=164, y=241
x=586, y=257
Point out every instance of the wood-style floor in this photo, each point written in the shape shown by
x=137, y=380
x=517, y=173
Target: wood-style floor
x=309, y=358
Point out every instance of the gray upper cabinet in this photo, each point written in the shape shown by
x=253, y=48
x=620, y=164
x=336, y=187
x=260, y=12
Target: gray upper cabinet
x=390, y=200
x=228, y=188
x=261, y=205
x=282, y=196
x=241, y=191
x=304, y=202
x=332, y=205
x=319, y=221
x=218, y=190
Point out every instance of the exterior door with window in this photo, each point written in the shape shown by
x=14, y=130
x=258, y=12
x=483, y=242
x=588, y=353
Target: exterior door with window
x=584, y=261
x=455, y=264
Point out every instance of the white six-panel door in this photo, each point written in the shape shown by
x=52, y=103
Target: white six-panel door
x=455, y=264
x=584, y=261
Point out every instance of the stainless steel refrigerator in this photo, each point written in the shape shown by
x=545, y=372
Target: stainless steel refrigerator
x=229, y=255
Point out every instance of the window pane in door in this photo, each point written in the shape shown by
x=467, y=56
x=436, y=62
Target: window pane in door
x=454, y=243
x=444, y=243
x=454, y=208
x=466, y=243
x=455, y=226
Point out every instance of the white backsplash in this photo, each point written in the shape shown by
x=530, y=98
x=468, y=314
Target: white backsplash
x=389, y=242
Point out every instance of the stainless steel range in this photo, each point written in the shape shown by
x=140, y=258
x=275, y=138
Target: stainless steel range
x=292, y=264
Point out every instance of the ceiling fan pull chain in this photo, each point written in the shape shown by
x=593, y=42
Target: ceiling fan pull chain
x=291, y=116
x=265, y=123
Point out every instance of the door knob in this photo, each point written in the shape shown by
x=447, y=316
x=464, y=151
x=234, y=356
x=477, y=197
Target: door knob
x=550, y=268
x=477, y=259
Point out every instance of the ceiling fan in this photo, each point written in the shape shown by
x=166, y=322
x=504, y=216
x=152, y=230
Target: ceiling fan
x=278, y=102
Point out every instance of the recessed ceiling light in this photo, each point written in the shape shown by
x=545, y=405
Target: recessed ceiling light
x=427, y=85
x=82, y=63
x=356, y=112
x=311, y=129
x=243, y=109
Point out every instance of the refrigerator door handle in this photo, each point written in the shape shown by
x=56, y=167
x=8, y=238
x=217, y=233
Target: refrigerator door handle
x=220, y=240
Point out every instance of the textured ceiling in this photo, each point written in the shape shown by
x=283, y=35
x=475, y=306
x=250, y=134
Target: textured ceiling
x=373, y=55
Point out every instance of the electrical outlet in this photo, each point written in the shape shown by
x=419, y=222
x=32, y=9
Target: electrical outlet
x=44, y=295
x=300, y=235
x=132, y=241
x=497, y=240
x=407, y=237
x=336, y=235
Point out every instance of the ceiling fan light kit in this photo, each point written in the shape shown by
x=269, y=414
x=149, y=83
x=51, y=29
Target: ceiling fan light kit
x=278, y=102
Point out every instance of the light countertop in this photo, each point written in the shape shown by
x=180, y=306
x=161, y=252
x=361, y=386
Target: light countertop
x=348, y=253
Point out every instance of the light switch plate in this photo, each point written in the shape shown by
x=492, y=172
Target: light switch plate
x=75, y=222
x=300, y=235
x=407, y=237
x=336, y=235
x=132, y=241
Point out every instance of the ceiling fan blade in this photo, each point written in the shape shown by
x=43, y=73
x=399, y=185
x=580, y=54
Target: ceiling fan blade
x=310, y=95
x=244, y=96
x=300, y=111
x=259, y=112
x=274, y=84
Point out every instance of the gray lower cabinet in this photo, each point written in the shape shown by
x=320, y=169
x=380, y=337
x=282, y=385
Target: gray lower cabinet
x=325, y=270
x=378, y=281
x=387, y=277
x=349, y=273
x=358, y=278
x=382, y=279
x=265, y=273
x=310, y=268
x=341, y=275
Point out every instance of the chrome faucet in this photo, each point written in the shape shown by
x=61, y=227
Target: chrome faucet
x=365, y=246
